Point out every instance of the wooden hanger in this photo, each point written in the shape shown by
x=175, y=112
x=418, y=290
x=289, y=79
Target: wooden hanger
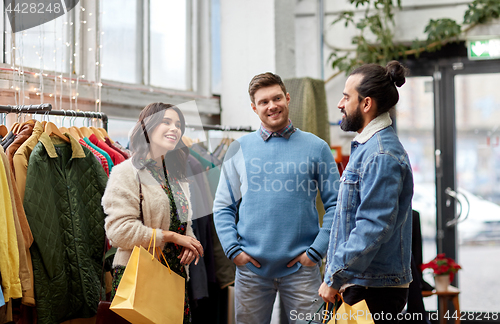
x=97, y=133
x=51, y=129
x=86, y=132
x=187, y=141
x=63, y=129
x=73, y=130
x=3, y=130
x=14, y=127
x=105, y=134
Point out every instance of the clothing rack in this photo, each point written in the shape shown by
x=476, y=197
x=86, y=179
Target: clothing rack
x=47, y=110
x=221, y=128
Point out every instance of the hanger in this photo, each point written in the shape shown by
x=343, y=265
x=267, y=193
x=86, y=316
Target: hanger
x=105, y=134
x=73, y=130
x=97, y=133
x=51, y=129
x=187, y=141
x=3, y=130
x=86, y=132
x=62, y=128
x=15, y=127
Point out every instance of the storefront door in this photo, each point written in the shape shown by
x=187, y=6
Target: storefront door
x=449, y=121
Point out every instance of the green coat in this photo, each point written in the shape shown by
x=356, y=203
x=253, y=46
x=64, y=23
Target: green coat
x=64, y=186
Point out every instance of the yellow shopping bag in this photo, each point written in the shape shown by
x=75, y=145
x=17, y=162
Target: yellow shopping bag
x=357, y=313
x=149, y=292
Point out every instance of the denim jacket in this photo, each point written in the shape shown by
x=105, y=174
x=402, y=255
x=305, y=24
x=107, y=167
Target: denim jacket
x=370, y=239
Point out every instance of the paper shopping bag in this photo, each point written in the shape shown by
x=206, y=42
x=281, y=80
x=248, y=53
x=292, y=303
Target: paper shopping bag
x=149, y=292
x=357, y=313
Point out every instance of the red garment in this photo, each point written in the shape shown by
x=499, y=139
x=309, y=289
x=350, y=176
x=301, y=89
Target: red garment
x=116, y=157
x=107, y=141
x=101, y=157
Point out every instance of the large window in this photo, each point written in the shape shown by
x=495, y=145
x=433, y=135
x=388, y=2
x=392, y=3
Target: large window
x=168, y=43
x=139, y=41
x=120, y=44
x=46, y=47
x=146, y=41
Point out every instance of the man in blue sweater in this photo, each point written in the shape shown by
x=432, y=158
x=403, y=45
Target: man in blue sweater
x=265, y=209
x=369, y=257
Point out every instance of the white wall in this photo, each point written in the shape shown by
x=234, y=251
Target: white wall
x=256, y=36
x=410, y=21
x=249, y=46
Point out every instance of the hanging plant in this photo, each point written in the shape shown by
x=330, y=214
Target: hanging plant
x=378, y=19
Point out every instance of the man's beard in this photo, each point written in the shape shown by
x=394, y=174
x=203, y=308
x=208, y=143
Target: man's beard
x=354, y=122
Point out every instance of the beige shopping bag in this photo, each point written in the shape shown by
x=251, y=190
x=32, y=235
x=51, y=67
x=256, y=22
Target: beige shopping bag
x=149, y=292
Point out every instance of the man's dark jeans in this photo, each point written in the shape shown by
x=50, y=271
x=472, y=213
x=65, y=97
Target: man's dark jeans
x=384, y=303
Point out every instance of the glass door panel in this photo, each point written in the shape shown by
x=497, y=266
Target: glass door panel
x=415, y=128
x=477, y=121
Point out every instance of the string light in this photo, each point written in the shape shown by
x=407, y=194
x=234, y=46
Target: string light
x=62, y=64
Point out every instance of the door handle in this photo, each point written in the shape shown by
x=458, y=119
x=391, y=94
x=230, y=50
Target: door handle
x=454, y=194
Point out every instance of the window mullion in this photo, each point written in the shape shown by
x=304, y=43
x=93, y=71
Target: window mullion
x=145, y=23
x=189, y=45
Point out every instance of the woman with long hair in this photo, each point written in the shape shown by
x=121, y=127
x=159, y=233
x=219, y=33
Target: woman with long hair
x=156, y=171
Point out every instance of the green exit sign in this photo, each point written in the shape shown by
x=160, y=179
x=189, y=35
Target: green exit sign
x=483, y=49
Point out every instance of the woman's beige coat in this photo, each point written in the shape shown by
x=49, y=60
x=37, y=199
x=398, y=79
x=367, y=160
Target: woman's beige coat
x=123, y=227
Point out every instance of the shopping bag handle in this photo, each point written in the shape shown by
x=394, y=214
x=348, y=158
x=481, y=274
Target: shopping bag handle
x=159, y=251
x=335, y=307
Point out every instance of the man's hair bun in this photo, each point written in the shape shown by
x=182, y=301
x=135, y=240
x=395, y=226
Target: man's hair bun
x=396, y=73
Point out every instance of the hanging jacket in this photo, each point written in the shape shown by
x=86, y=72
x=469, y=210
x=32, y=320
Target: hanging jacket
x=24, y=133
x=19, y=218
x=22, y=156
x=9, y=253
x=64, y=187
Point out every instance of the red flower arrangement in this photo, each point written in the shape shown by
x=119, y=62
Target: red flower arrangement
x=442, y=266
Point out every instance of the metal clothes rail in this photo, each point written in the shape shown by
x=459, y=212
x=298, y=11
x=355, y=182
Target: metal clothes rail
x=47, y=109
x=221, y=128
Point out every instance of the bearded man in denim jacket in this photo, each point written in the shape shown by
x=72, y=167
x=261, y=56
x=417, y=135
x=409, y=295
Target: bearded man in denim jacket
x=369, y=253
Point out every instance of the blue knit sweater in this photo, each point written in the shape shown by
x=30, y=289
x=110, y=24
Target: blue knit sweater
x=277, y=181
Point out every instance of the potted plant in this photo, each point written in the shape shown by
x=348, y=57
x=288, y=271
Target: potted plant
x=444, y=270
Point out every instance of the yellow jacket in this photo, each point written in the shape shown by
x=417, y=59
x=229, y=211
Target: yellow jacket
x=9, y=252
x=24, y=237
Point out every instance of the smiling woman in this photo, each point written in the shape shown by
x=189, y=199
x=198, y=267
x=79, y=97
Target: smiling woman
x=149, y=194
x=149, y=137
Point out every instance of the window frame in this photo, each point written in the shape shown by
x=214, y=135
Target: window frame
x=118, y=96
